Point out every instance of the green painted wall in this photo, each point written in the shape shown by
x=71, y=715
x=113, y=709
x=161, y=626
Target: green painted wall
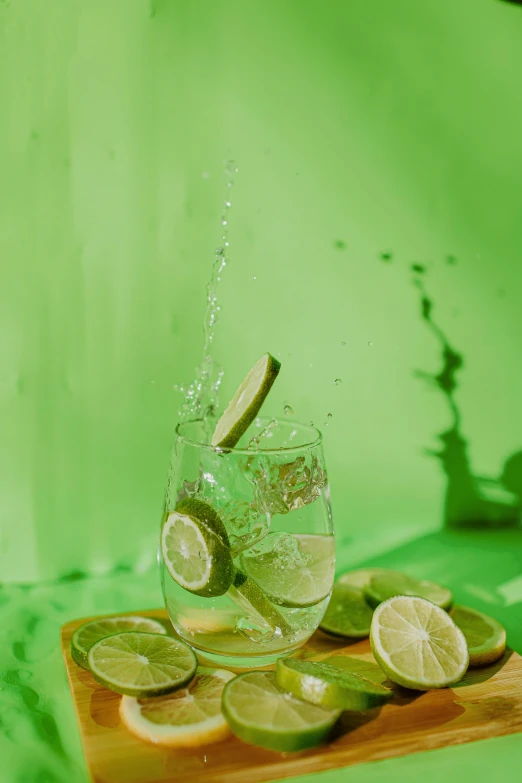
x=359, y=129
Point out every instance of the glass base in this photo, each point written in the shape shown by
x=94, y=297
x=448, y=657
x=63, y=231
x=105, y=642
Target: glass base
x=242, y=662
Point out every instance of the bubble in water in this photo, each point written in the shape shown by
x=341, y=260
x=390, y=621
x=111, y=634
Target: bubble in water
x=338, y=381
x=343, y=343
x=370, y=343
x=288, y=410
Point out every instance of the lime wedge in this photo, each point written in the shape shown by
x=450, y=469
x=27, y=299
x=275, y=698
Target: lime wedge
x=88, y=634
x=329, y=686
x=261, y=713
x=142, y=664
x=348, y=614
x=384, y=586
x=246, y=402
x=295, y=585
x=196, y=550
x=188, y=718
x=485, y=637
x=417, y=644
x=250, y=597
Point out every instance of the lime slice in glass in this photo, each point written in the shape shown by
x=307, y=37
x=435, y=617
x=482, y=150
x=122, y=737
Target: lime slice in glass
x=261, y=713
x=348, y=613
x=485, y=636
x=247, y=594
x=188, y=718
x=329, y=686
x=196, y=550
x=88, y=634
x=246, y=402
x=384, y=586
x=142, y=664
x=302, y=583
x=417, y=644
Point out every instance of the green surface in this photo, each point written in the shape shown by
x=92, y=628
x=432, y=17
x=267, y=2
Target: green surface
x=370, y=137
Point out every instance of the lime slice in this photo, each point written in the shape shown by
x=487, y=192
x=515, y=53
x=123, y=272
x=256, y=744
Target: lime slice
x=295, y=586
x=362, y=576
x=188, y=718
x=417, y=644
x=246, y=402
x=196, y=550
x=88, y=634
x=348, y=614
x=142, y=664
x=384, y=586
x=329, y=686
x=485, y=637
x=251, y=598
x=261, y=713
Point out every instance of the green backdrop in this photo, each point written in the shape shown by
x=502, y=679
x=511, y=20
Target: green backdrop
x=369, y=137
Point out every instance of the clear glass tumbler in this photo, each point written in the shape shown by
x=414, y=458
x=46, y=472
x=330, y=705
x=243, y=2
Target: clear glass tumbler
x=275, y=559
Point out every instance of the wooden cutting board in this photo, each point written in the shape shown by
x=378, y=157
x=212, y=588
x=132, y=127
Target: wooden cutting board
x=487, y=703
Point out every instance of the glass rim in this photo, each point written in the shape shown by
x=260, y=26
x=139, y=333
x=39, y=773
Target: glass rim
x=249, y=452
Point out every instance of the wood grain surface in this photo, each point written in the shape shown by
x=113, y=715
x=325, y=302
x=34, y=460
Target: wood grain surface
x=487, y=703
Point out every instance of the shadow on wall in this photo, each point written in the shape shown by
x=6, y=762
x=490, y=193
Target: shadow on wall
x=471, y=501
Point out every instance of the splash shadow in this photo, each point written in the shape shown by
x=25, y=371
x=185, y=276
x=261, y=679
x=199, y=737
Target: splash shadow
x=471, y=501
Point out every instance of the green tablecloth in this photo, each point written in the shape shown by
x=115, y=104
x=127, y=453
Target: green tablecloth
x=39, y=741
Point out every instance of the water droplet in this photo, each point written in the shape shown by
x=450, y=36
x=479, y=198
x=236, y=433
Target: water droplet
x=224, y=223
x=325, y=424
x=370, y=343
x=220, y=251
x=338, y=381
x=311, y=424
x=254, y=277
x=343, y=343
x=329, y=416
x=228, y=204
x=288, y=410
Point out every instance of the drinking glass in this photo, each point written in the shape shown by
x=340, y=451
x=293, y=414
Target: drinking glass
x=271, y=493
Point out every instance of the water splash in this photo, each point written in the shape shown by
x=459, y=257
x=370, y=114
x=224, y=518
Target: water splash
x=202, y=395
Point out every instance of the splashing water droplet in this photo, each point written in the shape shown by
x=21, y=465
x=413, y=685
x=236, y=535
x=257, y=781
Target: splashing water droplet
x=338, y=381
x=201, y=396
x=288, y=410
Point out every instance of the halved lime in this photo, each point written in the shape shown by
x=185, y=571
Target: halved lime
x=291, y=585
x=188, y=718
x=329, y=686
x=361, y=577
x=247, y=594
x=261, y=713
x=386, y=585
x=88, y=634
x=196, y=550
x=417, y=644
x=246, y=402
x=347, y=614
x=142, y=664
x=485, y=636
